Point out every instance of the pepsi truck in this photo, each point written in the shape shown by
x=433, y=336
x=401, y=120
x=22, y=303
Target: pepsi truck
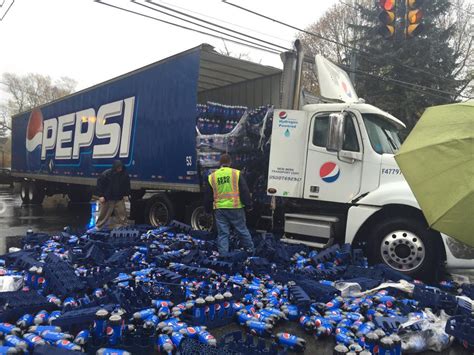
x=320, y=173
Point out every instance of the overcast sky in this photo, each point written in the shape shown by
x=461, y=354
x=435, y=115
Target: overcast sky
x=90, y=42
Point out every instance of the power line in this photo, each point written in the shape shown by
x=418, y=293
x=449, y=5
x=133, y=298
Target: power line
x=403, y=84
x=188, y=28
x=226, y=22
x=8, y=9
x=364, y=54
x=203, y=26
x=395, y=81
x=214, y=24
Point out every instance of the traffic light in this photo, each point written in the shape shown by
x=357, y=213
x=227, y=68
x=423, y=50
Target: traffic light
x=387, y=18
x=414, y=15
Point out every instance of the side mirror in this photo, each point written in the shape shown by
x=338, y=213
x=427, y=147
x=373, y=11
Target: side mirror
x=336, y=132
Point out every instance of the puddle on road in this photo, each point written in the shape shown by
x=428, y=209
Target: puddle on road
x=55, y=213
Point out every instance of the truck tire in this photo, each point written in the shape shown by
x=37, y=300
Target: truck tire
x=36, y=193
x=137, y=194
x=406, y=245
x=198, y=218
x=159, y=210
x=24, y=193
x=80, y=195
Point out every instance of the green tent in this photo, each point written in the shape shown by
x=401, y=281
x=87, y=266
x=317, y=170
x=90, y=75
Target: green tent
x=437, y=160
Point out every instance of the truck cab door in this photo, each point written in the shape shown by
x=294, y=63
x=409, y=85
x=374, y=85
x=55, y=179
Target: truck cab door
x=333, y=176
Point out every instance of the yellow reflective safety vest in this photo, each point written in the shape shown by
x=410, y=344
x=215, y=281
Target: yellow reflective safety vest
x=225, y=186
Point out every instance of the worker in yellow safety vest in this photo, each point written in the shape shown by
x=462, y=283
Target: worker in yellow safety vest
x=227, y=194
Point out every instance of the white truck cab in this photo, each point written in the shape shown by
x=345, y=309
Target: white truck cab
x=333, y=164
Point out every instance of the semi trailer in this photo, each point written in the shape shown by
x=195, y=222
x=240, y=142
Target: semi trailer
x=327, y=169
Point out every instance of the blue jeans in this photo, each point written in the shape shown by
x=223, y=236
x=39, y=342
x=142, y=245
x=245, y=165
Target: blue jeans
x=227, y=218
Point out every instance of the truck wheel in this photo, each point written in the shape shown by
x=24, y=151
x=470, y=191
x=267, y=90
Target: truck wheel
x=137, y=194
x=78, y=195
x=24, y=193
x=36, y=194
x=198, y=218
x=159, y=210
x=406, y=245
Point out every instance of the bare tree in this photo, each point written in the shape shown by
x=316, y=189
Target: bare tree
x=461, y=19
x=26, y=92
x=31, y=90
x=336, y=26
x=227, y=52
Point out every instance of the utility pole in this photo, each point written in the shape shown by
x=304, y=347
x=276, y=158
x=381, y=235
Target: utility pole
x=352, y=74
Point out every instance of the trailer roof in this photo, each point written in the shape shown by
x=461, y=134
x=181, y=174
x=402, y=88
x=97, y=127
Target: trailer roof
x=219, y=70
x=215, y=71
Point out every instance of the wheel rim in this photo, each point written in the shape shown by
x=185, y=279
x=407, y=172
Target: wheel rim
x=403, y=250
x=159, y=214
x=201, y=220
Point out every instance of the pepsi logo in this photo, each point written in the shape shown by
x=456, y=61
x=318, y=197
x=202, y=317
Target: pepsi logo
x=191, y=330
x=329, y=172
x=346, y=89
x=34, y=130
x=110, y=330
x=65, y=342
x=286, y=335
x=282, y=115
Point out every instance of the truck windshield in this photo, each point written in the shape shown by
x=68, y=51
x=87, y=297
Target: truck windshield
x=383, y=135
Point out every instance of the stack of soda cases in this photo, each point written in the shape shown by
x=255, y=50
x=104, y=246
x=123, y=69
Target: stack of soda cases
x=169, y=297
x=216, y=135
x=215, y=118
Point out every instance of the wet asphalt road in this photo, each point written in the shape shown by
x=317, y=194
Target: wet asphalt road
x=56, y=213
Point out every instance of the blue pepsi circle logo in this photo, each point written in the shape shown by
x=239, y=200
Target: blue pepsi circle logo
x=329, y=172
x=34, y=140
x=346, y=89
x=191, y=330
x=282, y=115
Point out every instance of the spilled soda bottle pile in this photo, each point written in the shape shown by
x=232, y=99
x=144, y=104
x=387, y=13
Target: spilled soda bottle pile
x=163, y=290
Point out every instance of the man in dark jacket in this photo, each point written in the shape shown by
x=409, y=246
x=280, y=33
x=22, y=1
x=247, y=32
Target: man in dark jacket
x=228, y=194
x=113, y=187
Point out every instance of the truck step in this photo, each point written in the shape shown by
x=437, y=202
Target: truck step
x=311, y=244
x=310, y=225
